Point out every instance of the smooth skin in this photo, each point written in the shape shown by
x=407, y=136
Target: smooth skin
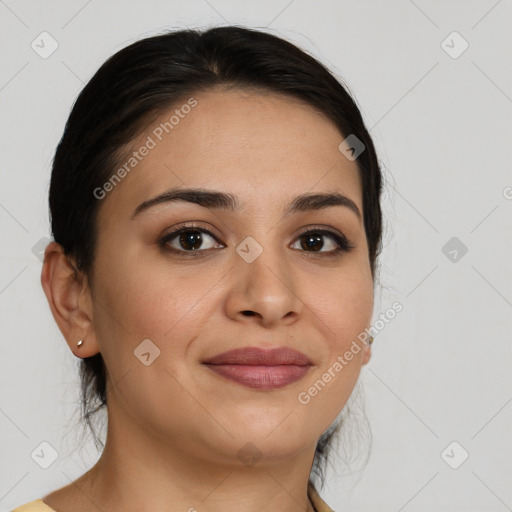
x=175, y=428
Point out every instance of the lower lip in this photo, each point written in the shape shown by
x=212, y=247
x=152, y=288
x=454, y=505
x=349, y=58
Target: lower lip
x=261, y=377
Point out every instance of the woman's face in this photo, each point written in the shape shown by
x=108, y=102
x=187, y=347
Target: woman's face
x=255, y=281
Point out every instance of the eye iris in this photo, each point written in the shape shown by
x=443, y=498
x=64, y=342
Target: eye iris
x=311, y=240
x=191, y=237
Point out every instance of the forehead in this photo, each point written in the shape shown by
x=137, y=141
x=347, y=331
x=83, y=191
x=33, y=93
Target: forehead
x=264, y=148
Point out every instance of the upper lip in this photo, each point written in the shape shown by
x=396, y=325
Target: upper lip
x=261, y=357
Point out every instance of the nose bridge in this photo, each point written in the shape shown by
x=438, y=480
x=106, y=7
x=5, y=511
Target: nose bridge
x=262, y=252
x=264, y=278
x=264, y=242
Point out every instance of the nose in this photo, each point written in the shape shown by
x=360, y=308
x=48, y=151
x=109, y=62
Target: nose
x=265, y=289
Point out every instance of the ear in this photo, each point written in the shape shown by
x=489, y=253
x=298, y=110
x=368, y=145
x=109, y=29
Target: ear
x=70, y=300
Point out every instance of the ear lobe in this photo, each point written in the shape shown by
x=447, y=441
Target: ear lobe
x=70, y=301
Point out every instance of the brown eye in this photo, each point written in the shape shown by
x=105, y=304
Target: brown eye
x=189, y=240
x=195, y=241
x=313, y=241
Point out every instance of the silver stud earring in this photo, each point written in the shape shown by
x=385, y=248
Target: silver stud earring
x=79, y=343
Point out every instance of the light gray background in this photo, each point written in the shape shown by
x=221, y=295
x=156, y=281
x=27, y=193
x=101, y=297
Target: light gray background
x=440, y=370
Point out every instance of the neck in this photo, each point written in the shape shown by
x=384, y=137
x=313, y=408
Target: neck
x=138, y=471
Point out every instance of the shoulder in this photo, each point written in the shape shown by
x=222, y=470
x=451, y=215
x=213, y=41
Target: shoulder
x=34, y=506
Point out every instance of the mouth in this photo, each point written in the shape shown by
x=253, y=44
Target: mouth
x=255, y=367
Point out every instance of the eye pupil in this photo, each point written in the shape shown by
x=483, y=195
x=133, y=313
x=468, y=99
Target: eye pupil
x=192, y=237
x=312, y=240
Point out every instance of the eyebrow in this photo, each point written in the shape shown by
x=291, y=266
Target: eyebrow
x=220, y=200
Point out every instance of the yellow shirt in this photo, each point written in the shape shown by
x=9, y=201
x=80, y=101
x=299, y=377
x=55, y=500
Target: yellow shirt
x=41, y=506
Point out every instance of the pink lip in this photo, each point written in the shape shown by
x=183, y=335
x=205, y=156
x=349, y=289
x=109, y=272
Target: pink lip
x=258, y=368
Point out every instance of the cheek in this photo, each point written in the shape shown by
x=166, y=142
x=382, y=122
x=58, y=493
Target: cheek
x=342, y=304
x=342, y=308
x=141, y=297
x=341, y=313
x=137, y=301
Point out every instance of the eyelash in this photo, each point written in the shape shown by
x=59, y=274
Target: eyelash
x=344, y=245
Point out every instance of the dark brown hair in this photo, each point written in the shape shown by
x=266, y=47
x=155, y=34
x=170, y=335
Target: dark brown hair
x=143, y=80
